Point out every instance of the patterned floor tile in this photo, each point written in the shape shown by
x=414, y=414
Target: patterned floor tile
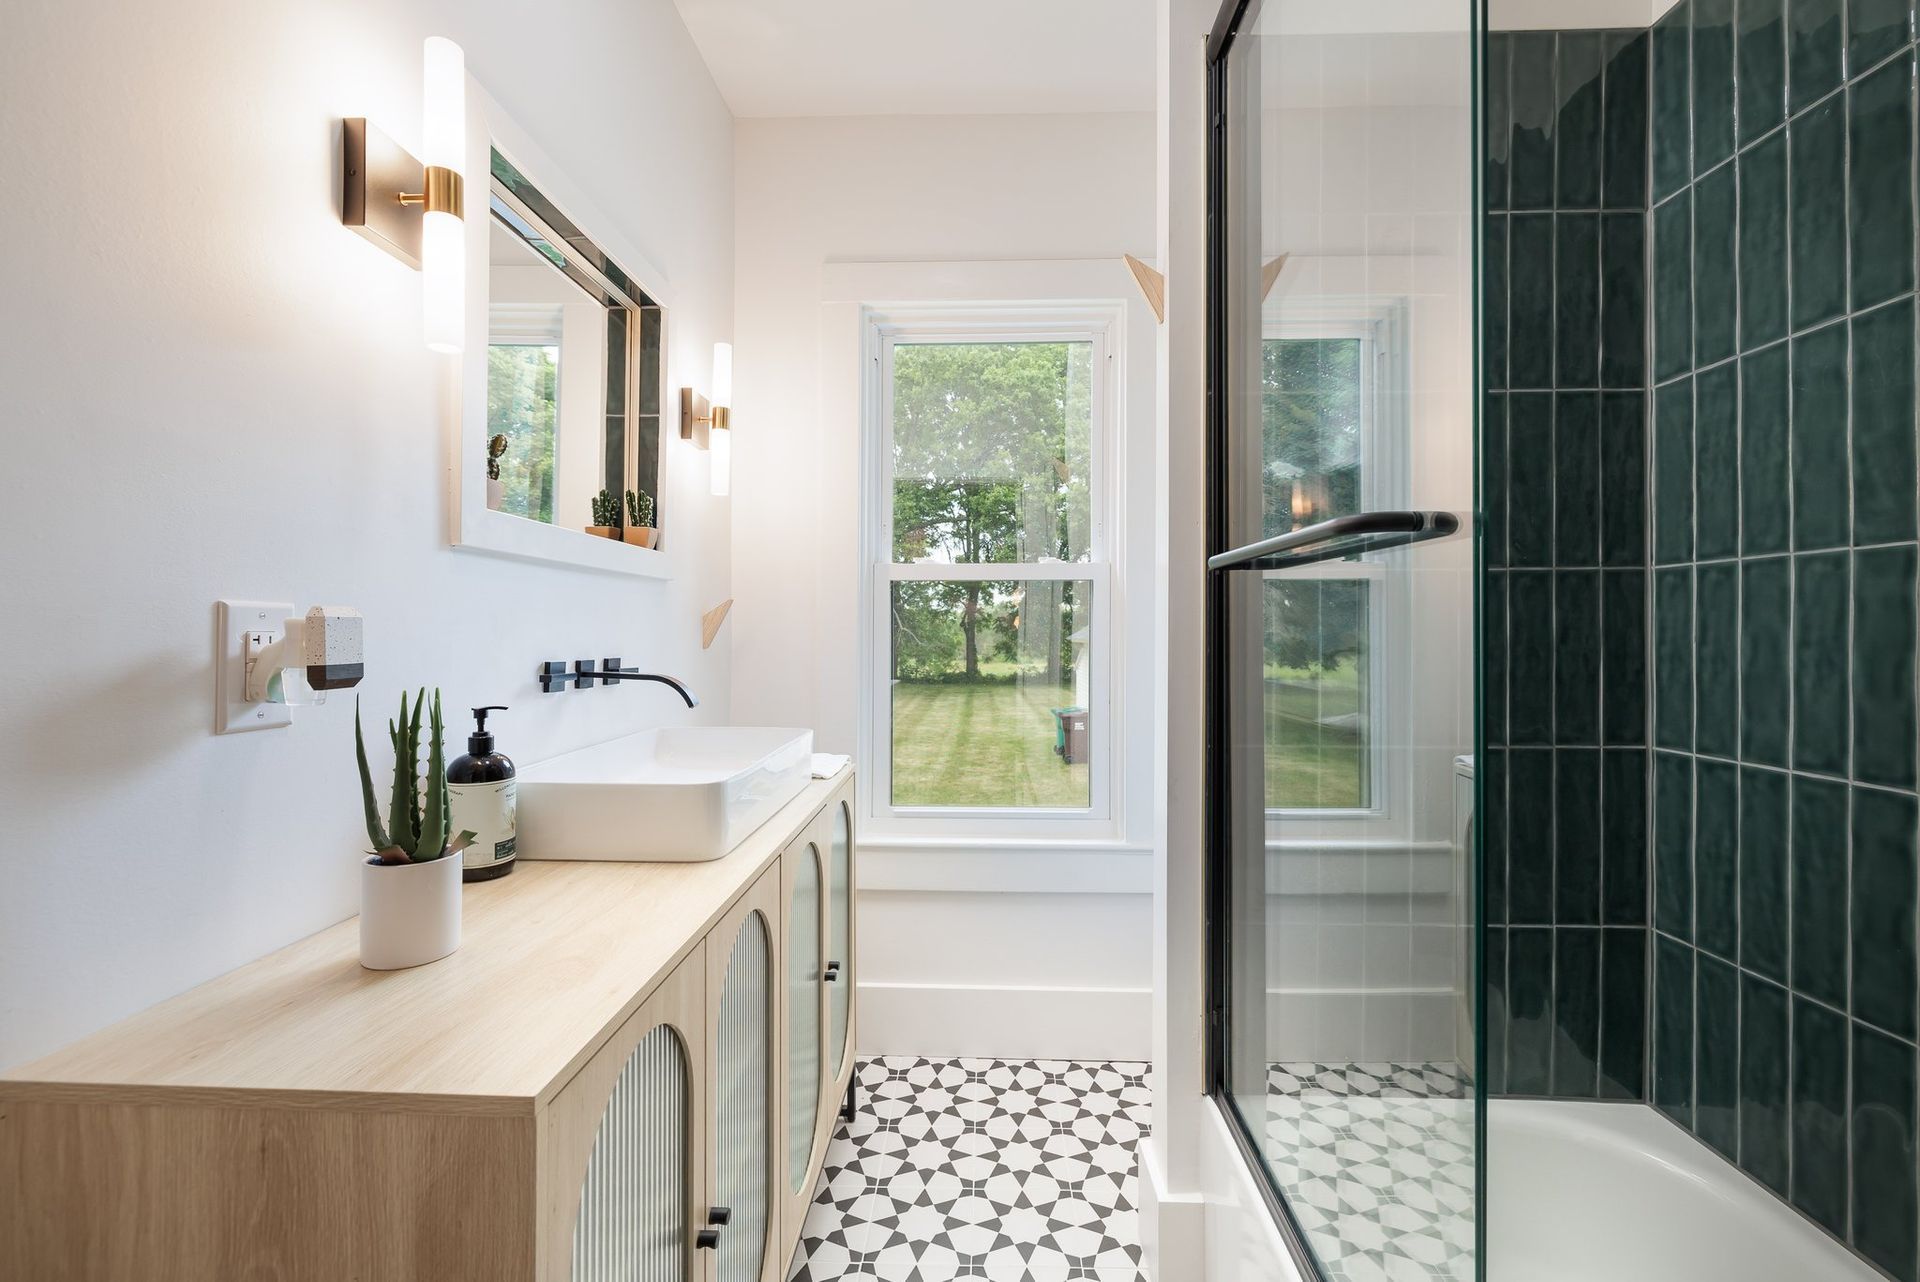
x=991, y=1170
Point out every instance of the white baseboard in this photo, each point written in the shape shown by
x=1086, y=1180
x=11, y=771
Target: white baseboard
x=1173, y=1226
x=1005, y=1022
x=1340, y=1026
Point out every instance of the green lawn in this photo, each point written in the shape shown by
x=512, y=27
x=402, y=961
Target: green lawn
x=991, y=743
x=982, y=744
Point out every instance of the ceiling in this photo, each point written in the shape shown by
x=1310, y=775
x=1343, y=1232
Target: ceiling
x=926, y=57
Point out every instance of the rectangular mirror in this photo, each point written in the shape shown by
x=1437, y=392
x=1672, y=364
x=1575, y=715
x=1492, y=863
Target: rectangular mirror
x=561, y=380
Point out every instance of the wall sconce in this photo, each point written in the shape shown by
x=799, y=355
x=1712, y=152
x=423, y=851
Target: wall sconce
x=706, y=423
x=415, y=209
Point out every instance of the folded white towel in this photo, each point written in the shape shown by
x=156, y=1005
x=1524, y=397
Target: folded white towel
x=828, y=764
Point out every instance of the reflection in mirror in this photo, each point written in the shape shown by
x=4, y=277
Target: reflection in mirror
x=573, y=360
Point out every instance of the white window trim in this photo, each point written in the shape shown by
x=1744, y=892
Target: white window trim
x=882, y=329
x=1385, y=447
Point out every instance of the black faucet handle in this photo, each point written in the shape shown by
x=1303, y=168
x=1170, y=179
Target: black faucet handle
x=553, y=676
x=583, y=674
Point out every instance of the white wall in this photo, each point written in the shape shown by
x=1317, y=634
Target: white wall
x=968, y=200
x=217, y=390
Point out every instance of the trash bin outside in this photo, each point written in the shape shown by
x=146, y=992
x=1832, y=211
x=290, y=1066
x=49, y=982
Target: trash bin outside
x=1070, y=735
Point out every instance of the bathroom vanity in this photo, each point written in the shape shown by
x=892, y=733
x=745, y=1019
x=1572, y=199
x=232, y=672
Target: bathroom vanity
x=627, y=1070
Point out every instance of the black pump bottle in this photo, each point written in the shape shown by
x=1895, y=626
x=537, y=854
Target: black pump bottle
x=481, y=795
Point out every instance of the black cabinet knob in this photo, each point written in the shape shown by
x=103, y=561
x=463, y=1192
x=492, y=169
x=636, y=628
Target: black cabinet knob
x=707, y=1239
x=721, y=1215
x=832, y=973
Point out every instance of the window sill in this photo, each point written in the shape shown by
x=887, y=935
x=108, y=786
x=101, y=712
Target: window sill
x=1000, y=865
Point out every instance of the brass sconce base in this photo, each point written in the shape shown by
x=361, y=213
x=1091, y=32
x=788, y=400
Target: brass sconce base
x=384, y=191
x=696, y=417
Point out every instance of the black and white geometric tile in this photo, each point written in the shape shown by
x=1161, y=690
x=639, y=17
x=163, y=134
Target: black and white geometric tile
x=1377, y=1164
x=997, y=1170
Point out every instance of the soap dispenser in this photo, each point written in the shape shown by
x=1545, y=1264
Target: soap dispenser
x=480, y=794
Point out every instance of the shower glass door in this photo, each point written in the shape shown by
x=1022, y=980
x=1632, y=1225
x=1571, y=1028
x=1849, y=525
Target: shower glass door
x=1342, y=656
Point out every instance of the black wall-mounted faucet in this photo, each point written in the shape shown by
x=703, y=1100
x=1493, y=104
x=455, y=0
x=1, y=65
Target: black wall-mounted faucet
x=554, y=676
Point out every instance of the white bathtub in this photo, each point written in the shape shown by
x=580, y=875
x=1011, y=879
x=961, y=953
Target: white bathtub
x=1604, y=1192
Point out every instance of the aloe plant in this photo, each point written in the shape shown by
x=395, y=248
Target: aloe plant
x=606, y=509
x=416, y=827
x=639, y=509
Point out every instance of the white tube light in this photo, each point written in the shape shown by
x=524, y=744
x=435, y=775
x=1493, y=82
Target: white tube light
x=720, y=433
x=443, y=239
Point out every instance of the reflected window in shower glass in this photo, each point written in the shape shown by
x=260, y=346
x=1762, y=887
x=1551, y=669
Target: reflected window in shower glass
x=1313, y=410
x=1318, y=672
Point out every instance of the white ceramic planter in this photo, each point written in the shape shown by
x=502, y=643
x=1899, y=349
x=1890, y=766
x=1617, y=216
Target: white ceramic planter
x=409, y=913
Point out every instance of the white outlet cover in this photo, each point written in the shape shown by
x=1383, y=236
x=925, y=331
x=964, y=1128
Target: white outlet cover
x=233, y=712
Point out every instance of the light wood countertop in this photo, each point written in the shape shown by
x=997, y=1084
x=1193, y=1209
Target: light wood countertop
x=552, y=959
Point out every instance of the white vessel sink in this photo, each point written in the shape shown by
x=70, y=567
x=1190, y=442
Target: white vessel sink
x=679, y=794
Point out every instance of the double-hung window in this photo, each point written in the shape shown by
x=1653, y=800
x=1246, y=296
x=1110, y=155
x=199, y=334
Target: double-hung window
x=1332, y=415
x=989, y=440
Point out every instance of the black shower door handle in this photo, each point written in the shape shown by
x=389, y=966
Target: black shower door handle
x=1341, y=536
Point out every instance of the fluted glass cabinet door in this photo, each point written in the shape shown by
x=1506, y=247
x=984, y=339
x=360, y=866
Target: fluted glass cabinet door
x=803, y=1012
x=632, y=1222
x=840, y=935
x=743, y=1103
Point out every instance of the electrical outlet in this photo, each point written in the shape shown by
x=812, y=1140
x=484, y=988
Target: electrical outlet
x=237, y=622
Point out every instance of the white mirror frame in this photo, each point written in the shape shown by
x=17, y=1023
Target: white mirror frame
x=473, y=526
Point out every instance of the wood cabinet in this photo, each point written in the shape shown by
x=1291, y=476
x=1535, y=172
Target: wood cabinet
x=616, y=1052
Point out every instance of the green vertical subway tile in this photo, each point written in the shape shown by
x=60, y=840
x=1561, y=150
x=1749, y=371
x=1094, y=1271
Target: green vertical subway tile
x=1761, y=75
x=1577, y=127
x=1576, y=1012
x=1875, y=28
x=1883, y=424
x=1490, y=818
x=1883, y=666
x=1766, y=665
x=1496, y=1010
x=1493, y=478
x=1576, y=660
x=1673, y=1029
x=1531, y=104
x=1623, y=1014
x=1716, y=461
x=1624, y=131
x=1623, y=478
x=1499, y=119
x=1493, y=622
x=1882, y=916
x=1883, y=1154
x=1530, y=303
x=1717, y=659
x=1815, y=49
x=1673, y=472
x=1716, y=858
x=1819, y=437
x=1672, y=77
x=1576, y=289
x=1623, y=696
x=1673, y=658
x=1716, y=1087
x=1530, y=478
x=1623, y=300
x=1493, y=311
x=1529, y=836
x=1880, y=178
x=1493, y=656
x=1673, y=287
x=1673, y=844
x=1623, y=821
x=1713, y=84
x=1576, y=479
x=1530, y=656
x=1715, y=324
x=1818, y=905
x=1529, y=1010
x=1764, y=1057
x=1817, y=199
x=1576, y=879
x=1763, y=872
x=1819, y=1112
x=1766, y=505
x=1820, y=663
x=1763, y=242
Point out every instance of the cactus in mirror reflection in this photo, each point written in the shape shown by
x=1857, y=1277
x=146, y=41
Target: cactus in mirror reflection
x=495, y=448
x=639, y=509
x=416, y=827
x=606, y=508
